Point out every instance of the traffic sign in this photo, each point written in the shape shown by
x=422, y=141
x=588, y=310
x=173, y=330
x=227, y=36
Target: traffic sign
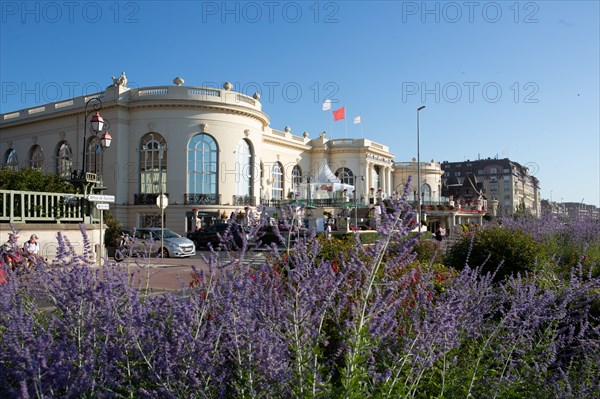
x=102, y=206
x=101, y=198
x=162, y=201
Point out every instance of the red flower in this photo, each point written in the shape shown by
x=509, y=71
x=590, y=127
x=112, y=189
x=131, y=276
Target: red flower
x=335, y=267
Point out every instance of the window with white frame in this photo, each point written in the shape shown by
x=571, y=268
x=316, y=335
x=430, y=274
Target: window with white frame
x=244, y=168
x=296, y=178
x=345, y=175
x=425, y=192
x=64, y=160
x=36, y=157
x=153, y=164
x=202, y=165
x=277, y=185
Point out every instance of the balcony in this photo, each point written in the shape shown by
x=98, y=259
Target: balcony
x=201, y=199
x=243, y=200
x=146, y=199
x=320, y=202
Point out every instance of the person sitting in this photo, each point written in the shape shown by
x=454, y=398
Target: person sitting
x=12, y=255
x=31, y=250
x=125, y=240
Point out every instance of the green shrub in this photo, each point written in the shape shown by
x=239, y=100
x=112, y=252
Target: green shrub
x=29, y=179
x=516, y=250
x=112, y=235
x=428, y=250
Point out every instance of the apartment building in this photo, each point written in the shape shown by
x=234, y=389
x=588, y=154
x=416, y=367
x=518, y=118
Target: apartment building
x=503, y=180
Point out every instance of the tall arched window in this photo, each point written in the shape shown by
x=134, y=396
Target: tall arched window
x=244, y=169
x=202, y=165
x=296, y=178
x=277, y=177
x=153, y=164
x=64, y=160
x=94, y=155
x=36, y=157
x=345, y=175
x=11, y=160
x=425, y=192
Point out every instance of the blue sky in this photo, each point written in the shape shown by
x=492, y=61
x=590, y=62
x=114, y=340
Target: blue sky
x=506, y=78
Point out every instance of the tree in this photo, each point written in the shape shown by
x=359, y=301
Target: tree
x=30, y=179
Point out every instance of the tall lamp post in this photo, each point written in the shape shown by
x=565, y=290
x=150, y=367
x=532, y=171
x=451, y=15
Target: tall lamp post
x=97, y=126
x=356, y=201
x=419, y=171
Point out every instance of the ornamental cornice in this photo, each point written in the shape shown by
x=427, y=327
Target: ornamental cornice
x=284, y=143
x=67, y=114
x=261, y=117
x=377, y=158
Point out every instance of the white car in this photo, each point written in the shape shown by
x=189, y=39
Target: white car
x=148, y=240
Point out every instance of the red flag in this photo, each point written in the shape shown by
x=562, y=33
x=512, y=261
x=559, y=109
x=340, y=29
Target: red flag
x=339, y=114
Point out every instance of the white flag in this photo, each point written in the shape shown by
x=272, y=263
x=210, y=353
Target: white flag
x=327, y=105
x=357, y=120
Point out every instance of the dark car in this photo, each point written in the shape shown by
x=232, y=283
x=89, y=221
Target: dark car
x=267, y=235
x=220, y=236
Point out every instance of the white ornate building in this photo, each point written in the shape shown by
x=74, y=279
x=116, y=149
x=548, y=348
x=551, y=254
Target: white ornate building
x=211, y=151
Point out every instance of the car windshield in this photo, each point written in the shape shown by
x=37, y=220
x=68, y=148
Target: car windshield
x=166, y=234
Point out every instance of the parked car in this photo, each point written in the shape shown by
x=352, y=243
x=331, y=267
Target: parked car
x=220, y=236
x=266, y=235
x=148, y=241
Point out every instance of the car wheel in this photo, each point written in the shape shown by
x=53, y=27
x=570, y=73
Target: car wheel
x=165, y=253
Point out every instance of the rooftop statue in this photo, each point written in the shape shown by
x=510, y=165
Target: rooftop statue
x=120, y=81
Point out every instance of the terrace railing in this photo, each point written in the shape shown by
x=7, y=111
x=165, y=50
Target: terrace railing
x=37, y=207
x=146, y=199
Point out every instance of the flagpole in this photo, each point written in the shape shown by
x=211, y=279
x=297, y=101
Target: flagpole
x=346, y=125
x=331, y=125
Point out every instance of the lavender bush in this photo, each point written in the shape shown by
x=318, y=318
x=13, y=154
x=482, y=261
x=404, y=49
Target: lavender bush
x=372, y=322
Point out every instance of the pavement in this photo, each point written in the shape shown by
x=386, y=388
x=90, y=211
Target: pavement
x=171, y=274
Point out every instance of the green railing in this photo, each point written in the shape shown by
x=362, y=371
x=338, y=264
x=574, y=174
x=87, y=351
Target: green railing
x=37, y=207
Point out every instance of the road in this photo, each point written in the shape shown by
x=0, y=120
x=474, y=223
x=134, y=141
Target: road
x=170, y=274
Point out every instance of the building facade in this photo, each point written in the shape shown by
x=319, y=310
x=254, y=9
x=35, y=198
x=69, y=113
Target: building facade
x=210, y=151
x=503, y=180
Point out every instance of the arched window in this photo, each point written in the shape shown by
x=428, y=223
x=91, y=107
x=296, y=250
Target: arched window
x=425, y=192
x=36, y=157
x=11, y=160
x=296, y=178
x=94, y=155
x=277, y=177
x=345, y=175
x=202, y=165
x=244, y=169
x=64, y=160
x=153, y=164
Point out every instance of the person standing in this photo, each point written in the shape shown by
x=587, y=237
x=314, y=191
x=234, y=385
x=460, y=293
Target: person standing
x=328, y=231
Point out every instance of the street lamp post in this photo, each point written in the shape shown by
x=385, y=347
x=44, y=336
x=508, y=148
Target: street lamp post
x=356, y=179
x=419, y=171
x=161, y=152
x=97, y=125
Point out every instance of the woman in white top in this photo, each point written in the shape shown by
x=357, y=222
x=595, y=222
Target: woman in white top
x=31, y=249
